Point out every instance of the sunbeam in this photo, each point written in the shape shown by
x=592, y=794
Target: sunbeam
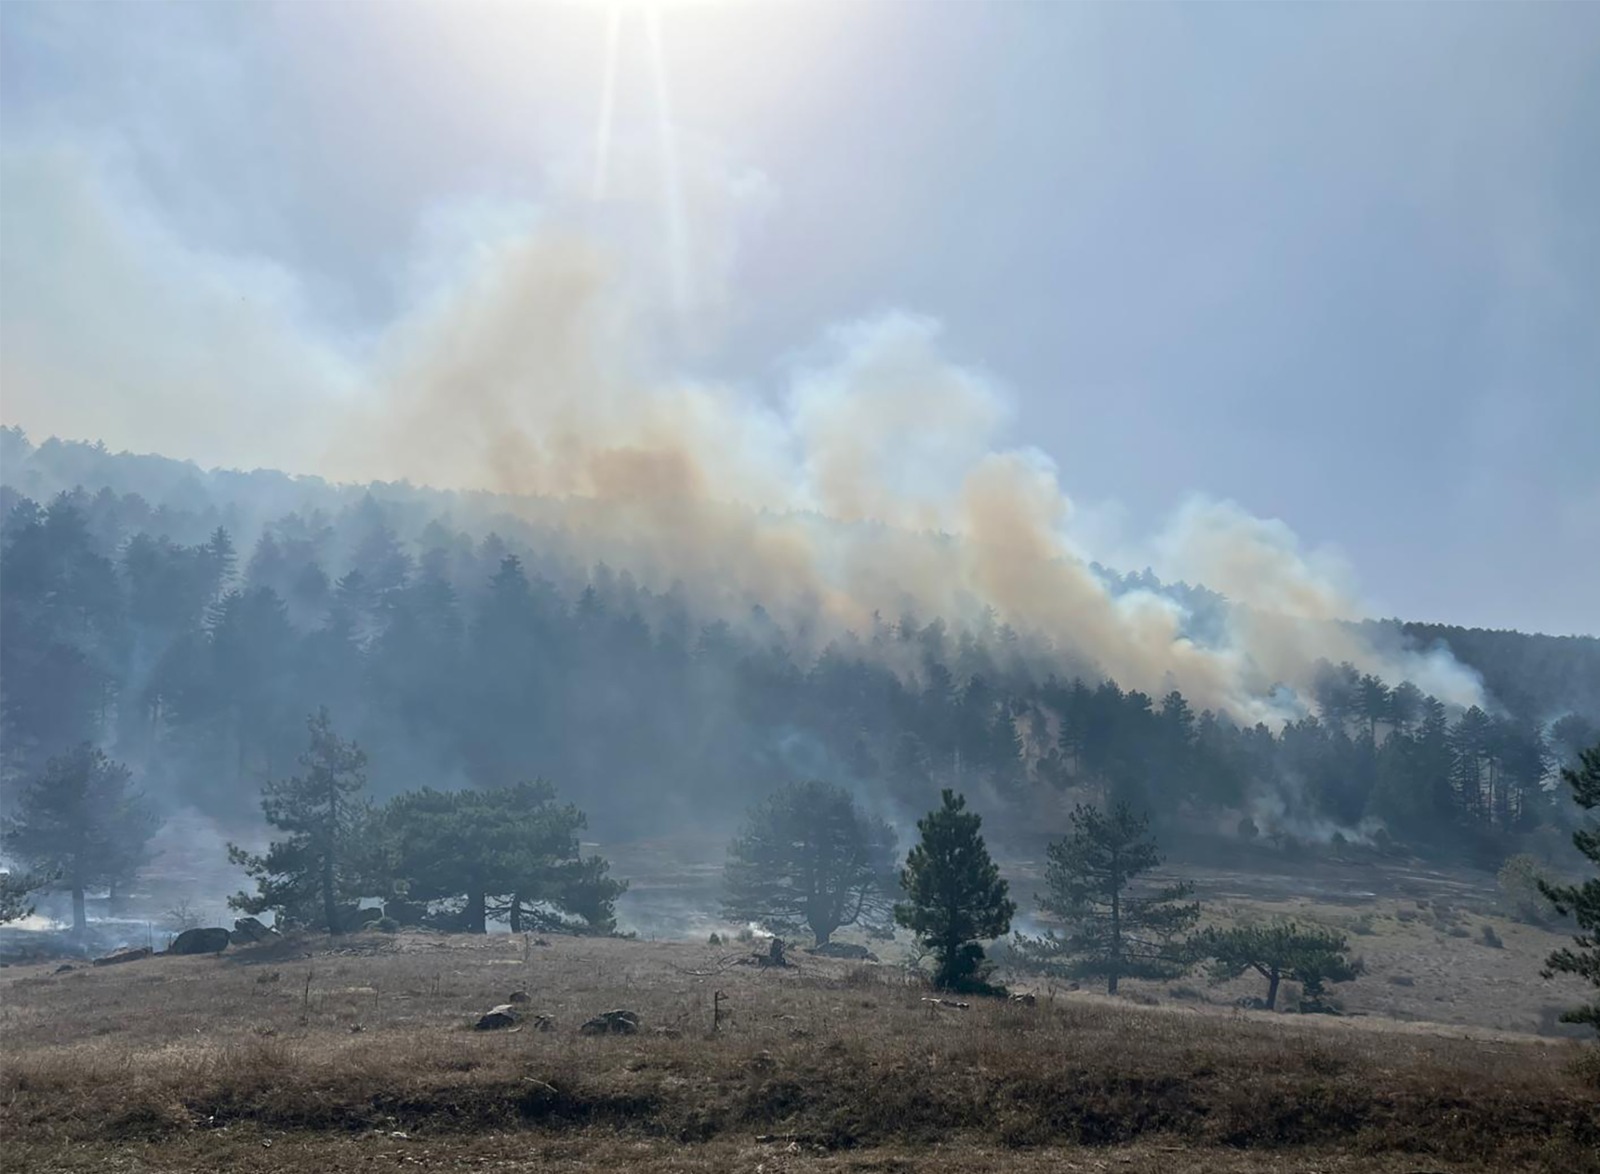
x=672, y=193
x=608, y=96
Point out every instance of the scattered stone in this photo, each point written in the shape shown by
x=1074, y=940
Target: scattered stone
x=544, y=1023
x=848, y=950
x=128, y=955
x=505, y=1015
x=1027, y=1000
x=211, y=940
x=64, y=967
x=612, y=1023
x=518, y=997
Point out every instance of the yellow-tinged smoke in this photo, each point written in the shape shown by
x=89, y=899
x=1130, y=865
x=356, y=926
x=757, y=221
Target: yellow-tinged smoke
x=876, y=484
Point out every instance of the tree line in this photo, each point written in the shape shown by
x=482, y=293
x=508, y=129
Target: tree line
x=810, y=857
x=454, y=658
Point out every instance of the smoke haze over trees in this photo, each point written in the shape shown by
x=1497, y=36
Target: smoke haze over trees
x=187, y=622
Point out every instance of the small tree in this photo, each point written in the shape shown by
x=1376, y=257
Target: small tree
x=1306, y=954
x=809, y=856
x=509, y=852
x=305, y=877
x=1582, y=901
x=955, y=896
x=83, y=823
x=1112, y=934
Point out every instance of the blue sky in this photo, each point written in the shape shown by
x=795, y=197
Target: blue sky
x=1338, y=264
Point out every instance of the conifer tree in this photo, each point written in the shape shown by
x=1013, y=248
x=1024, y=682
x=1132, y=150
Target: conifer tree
x=1112, y=934
x=1308, y=955
x=1582, y=901
x=305, y=877
x=83, y=823
x=954, y=894
x=809, y=856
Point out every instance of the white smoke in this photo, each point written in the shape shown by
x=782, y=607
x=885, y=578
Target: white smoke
x=545, y=360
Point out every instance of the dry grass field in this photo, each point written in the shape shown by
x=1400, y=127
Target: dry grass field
x=358, y=1055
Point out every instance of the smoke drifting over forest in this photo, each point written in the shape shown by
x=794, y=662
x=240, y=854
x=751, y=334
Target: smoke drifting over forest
x=878, y=481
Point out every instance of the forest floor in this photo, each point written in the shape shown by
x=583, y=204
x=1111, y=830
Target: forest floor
x=357, y=1054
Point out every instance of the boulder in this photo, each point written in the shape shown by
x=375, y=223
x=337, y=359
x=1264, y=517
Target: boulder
x=128, y=955
x=505, y=1015
x=518, y=997
x=352, y=918
x=843, y=950
x=612, y=1023
x=210, y=940
x=247, y=931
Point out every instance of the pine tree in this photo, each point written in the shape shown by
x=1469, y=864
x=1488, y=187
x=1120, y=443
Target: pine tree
x=83, y=823
x=809, y=856
x=505, y=852
x=305, y=877
x=1308, y=955
x=1582, y=901
x=955, y=896
x=1112, y=934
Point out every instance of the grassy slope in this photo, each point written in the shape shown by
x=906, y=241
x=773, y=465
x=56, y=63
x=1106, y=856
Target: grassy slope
x=210, y=1062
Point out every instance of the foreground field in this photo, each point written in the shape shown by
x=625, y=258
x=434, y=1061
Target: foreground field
x=360, y=1056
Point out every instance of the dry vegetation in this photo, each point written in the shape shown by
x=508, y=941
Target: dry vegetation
x=226, y=1062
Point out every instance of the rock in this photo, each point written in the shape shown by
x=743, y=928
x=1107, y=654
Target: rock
x=505, y=1015
x=128, y=955
x=518, y=997
x=544, y=1023
x=405, y=912
x=352, y=918
x=612, y=1023
x=1027, y=1000
x=212, y=940
x=843, y=950
x=247, y=931
x=64, y=967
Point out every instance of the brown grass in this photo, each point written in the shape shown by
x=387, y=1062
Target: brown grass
x=193, y=1063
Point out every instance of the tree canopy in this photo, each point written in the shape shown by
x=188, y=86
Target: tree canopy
x=1111, y=932
x=509, y=852
x=808, y=856
x=306, y=877
x=955, y=897
x=1309, y=955
x=82, y=823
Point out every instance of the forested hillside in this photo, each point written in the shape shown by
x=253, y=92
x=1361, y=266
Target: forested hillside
x=187, y=622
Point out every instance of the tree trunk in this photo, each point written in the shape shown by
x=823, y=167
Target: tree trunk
x=1116, y=926
x=1272, y=990
x=822, y=933
x=80, y=918
x=330, y=908
x=477, y=918
x=516, y=913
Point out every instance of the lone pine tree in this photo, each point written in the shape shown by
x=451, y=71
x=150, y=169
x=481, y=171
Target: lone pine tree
x=1308, y=955
x=808, y=856
x=82, y=823
x=1111, y=933
x=307, y=875
x=954, y=894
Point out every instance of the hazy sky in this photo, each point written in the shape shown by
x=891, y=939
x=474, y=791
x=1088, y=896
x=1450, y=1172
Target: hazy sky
x=1338, y=264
